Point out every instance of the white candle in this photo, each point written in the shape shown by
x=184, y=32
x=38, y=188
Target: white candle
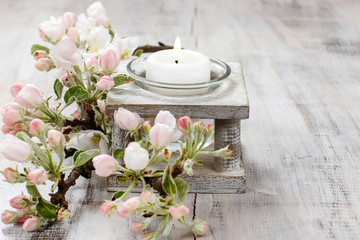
x=178, y=66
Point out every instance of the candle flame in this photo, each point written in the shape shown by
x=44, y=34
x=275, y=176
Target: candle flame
x=177, y=43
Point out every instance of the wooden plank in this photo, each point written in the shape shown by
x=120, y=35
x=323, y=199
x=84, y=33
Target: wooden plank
x=226, y=102
x=205, y=179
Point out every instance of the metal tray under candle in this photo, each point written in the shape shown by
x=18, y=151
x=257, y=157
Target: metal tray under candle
x=137, y=70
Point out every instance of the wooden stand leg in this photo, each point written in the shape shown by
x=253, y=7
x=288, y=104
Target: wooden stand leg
x=227, y=132
x=119, y=139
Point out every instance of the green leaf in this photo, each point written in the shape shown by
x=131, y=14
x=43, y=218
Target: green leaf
x=85, y=156
x=36, y=47
x=138, y=52
x=121, y=79
x=58, y=88
x=168, y=182
x=75, y=93
x=117, y=195
x=32, y=190
x=46, y=209
x=157, y=173
x=76, y=154
x=167, y=229
x=182, y=188
x=119, y=153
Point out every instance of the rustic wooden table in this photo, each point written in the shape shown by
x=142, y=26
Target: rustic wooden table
x=301, y=145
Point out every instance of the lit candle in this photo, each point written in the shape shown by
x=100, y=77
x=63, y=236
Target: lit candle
x=178, y=66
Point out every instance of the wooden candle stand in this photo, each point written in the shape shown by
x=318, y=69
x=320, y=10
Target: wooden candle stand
x=227, y=105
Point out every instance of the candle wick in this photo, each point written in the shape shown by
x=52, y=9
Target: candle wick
x=176, y=61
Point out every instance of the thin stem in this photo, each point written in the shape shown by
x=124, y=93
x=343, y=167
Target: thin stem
x=143, y=182
x=129, y=189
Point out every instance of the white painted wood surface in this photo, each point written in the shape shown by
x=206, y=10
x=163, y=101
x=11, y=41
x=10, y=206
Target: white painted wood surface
x=301, y=145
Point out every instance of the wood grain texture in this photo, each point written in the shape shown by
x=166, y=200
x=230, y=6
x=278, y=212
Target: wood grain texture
x=301, y=146
x=228, y=101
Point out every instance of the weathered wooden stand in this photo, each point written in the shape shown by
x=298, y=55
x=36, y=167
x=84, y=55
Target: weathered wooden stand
x=227, y=105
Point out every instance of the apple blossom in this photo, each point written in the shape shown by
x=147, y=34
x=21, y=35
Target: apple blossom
x=102, y=20
x=65, y=54
x=105, y=83
x=223, y=152
x=104, y=165
x=13, y=112
x=30, y=224
x=43, y=64
x=89, y=139
x=98, y=38
x=13, y=129
x=95, y=10
x=52, y=29
x=36, y=127
x=147, y=198
x=199, y=227
x=10, y=174
x=138, y=226
x=69, y=20
x=92, y=64
x=161, y=135
x=84, y=25
x=29, y=96
x=22, y=216
x=77, y=114
x=8, y=217
x=63, y=213
x=20, y=201
x=15, y=149
x=15, y=88
x=56, y=139
x=178, y=211
x=127, y=208
x=127, y=46
x=109, y=60
x=39, y=54
x=73, y=34
x=184, y=123
x=165, y=117
x=38, y=176
x=108, y=208
x=136, y=157
x=127, y=120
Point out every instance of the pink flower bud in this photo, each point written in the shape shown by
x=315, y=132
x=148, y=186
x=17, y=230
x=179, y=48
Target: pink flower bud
x=161, y=135
x=77, y=113
x=223, y=152
x=63, y=213
x=127, y=120
x=108, y=208
x=38, y=176
x=10, y=174
x=56, y=139
x=105, y=83
x=123, y=211
x=74, y=35
x=184, y=123
x=20, y=201
x=69, y=20
x=199, y=227
x=30, y=224
x=29, y=96
x=15, y=88
x=102, y=20
x=109, y=60
x=138, y=226
x=43, y=64
x=92, y=63
x=210, y=126
x=104, y=165
x=37, y=126
x=178, y=211
x=165, y=117
x=8, y=217
x=22, y=216
x=15, y=149
x=147, y=198
x=12, y=113
x=52, y=29
x=136, y=157
x=39, y=54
